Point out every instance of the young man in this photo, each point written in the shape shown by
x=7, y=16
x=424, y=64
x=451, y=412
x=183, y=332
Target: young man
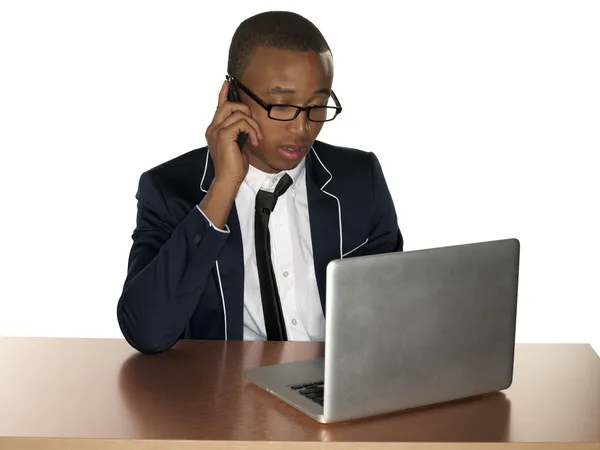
x=234, y=244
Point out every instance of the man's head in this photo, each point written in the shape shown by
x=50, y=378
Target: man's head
x=282, y=58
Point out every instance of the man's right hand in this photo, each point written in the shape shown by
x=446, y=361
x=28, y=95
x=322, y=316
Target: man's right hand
x=230, y=162
x=231, y=118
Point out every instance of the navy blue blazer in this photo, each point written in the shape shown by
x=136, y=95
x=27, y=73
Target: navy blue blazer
x=185, y=279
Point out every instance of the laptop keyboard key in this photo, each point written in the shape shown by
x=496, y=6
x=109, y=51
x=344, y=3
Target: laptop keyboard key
x=313, y=391
x=314, y=394
x=306, y=385
x=310, y=390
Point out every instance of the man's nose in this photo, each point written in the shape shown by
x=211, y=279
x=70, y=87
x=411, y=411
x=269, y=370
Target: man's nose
x=300, y=125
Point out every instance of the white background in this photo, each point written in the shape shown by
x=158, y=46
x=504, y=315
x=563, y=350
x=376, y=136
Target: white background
x=485, y=116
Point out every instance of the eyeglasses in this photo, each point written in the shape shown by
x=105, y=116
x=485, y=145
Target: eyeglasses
x=284, y=112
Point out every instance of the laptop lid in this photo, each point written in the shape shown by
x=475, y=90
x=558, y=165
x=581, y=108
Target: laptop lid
x=414, y=328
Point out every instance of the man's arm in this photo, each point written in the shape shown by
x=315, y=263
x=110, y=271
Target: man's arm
x=169, y=265
x=384, y=235
x=170, y=262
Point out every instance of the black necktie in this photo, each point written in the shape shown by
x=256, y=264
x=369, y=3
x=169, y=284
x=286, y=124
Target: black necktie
x=273, y=313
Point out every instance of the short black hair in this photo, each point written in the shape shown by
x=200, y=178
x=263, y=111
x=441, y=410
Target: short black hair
x=273, y=29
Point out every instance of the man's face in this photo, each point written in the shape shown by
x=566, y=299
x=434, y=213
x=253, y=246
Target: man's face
x=286, y=77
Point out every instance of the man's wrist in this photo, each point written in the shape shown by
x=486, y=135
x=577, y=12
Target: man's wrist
x=225, y=229
x=226, y=186
x=218, y=201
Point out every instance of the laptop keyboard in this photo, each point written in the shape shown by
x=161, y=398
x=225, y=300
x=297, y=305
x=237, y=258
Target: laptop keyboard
x=313, y=391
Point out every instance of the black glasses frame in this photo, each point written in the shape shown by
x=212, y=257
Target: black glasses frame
x=269, y=106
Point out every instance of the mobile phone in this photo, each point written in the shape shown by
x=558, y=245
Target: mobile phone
x=234, y=96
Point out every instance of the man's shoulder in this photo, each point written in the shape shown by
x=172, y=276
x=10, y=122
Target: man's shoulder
x=184, y=169
x=349, y=162
x=340, y=154
x=184, y=164
x=178, y=177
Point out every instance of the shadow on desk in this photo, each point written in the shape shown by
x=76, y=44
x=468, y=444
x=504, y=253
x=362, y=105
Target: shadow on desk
x=184, y=394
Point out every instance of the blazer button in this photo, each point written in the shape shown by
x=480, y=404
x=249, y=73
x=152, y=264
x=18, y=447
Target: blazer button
x=197, y=239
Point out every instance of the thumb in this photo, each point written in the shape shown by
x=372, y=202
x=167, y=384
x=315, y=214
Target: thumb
x=246, y=157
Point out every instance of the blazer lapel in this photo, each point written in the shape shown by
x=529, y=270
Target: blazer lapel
x=229, y=270
x=324, y=217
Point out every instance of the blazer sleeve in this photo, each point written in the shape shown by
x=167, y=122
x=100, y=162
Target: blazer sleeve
x=384, y=235
x=168, y=268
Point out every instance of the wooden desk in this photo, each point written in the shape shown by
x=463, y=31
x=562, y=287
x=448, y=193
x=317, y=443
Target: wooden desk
x=101, y=394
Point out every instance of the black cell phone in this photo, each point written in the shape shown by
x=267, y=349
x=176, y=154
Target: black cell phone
x=234, y=96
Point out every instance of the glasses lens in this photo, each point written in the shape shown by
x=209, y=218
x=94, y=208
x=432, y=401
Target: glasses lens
x=322, y=114
x=316, y=114
x=283, y=112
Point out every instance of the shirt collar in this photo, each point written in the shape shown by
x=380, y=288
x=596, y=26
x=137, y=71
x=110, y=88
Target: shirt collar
x=256, y=179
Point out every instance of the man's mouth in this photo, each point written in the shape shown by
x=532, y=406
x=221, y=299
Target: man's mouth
x=292, y=152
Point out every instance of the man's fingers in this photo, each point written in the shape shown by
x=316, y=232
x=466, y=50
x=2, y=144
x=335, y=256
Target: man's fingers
x=228, y=113
x=241, y=125
x=225, y=108
x=223, y=115
x=239, y=115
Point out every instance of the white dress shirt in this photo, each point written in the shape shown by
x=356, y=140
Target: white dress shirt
x=291, y=254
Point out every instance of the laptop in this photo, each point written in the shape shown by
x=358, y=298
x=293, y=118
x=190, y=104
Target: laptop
x=407, y=330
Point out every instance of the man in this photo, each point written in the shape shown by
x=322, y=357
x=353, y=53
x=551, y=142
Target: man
x=234, y=244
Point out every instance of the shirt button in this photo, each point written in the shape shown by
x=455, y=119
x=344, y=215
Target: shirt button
x=285, y=275
x=294, y=321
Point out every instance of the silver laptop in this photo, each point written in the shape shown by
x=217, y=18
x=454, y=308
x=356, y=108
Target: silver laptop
x=406, y=330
